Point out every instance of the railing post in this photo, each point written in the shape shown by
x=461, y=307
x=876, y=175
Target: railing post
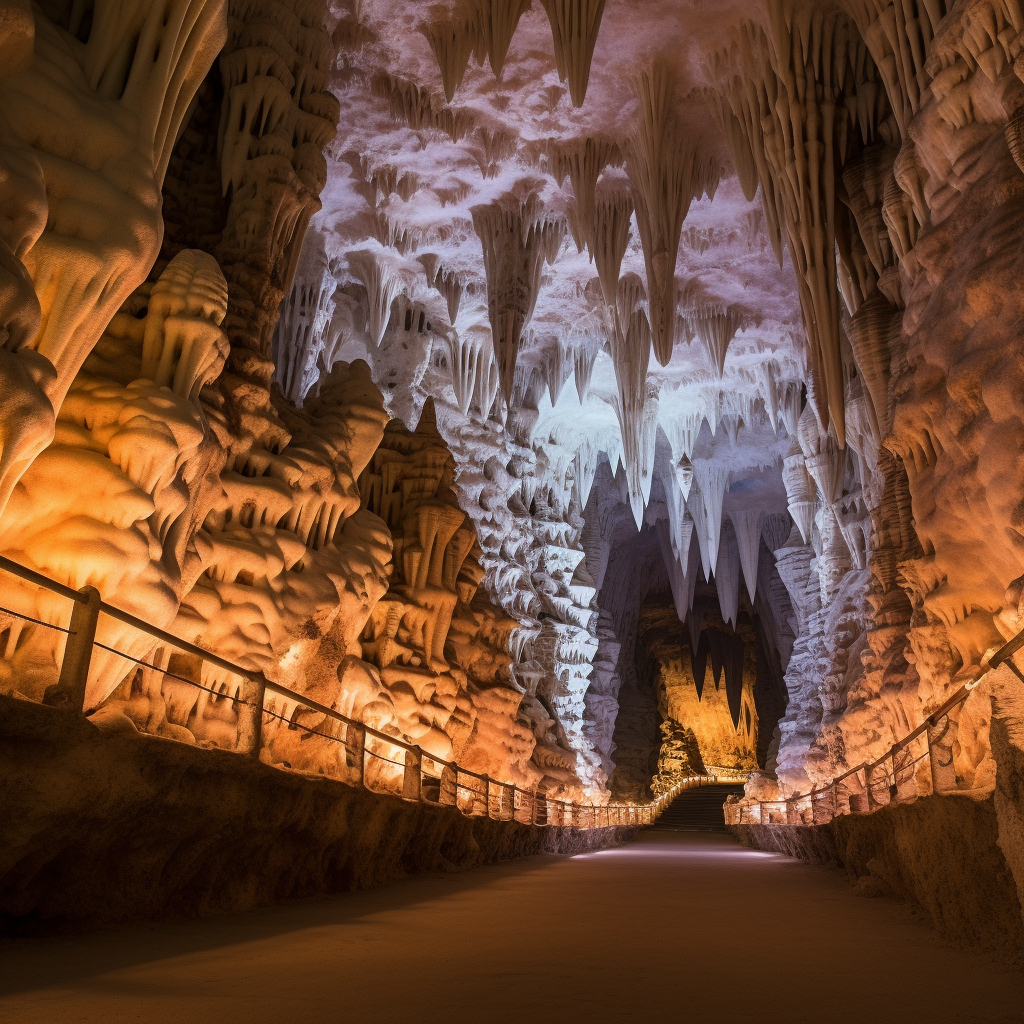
x=448, y=791
x=69, y=690
x=940, y=754
x=355, y=745
x=411, y=776
x=250, y=716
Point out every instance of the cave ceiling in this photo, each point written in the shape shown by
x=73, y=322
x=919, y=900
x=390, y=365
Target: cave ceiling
x=415, y=184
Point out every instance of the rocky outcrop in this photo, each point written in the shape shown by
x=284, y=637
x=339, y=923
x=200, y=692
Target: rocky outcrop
x=164, y=830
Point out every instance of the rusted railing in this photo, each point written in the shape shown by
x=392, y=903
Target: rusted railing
x=888, y=780
x=424, y=777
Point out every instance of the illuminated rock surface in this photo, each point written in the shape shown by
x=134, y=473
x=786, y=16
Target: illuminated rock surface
x=581, y=391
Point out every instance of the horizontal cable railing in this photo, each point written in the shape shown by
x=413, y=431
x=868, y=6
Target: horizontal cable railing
x=888, y=780
x=416, y=774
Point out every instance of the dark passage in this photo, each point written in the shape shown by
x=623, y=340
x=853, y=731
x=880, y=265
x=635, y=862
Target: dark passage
x=697, y=810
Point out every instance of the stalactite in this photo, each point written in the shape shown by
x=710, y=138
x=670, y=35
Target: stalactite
x=492, y=147
x=498, y=22
x=583, y=160
x=682, y=429
x=516, y=237
x=716, y=326
x=574, y=27
x=747, y=525
x=666, y=174
x=869, y=334
x=711, y=480
x=768, y=381
x=806, y=86
x=584, y=355
x=612, y=214
x=631, y=351
x=557, y=369
x=899, y=34
x=471, y=363
x=383, y=285
x=414, y=106
x=727, y=575
x=452, y=41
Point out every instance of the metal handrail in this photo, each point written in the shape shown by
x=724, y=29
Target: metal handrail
x=70, y=691
x=888, y=760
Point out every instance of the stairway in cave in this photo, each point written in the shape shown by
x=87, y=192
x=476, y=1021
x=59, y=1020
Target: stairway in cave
x=697, y=810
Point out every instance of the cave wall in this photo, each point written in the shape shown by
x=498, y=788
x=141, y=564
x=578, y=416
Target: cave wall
x=939, y=854
x=669, y=338
x=107, y=826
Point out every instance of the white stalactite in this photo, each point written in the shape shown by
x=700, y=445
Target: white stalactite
x=666, y=173
x=747, y=525
x=574, y=27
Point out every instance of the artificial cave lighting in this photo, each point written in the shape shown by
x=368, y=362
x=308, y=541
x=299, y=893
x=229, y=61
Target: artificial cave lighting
x=587, y=393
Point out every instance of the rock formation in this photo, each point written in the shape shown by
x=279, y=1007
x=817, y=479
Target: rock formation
x=326, y=340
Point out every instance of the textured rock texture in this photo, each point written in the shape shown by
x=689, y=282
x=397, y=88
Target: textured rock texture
x=105, y=827
x=713, y=307
x=939, y=853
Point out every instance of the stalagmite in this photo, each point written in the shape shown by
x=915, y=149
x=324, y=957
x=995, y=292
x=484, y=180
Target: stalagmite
x=665, y=173
x=574, y=28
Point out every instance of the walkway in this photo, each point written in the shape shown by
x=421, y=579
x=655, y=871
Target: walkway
x=675, y=927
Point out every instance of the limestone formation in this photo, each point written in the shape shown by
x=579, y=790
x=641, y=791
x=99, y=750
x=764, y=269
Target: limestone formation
x=288, y=320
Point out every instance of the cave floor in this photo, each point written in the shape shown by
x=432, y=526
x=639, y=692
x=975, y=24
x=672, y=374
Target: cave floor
x=672, y=927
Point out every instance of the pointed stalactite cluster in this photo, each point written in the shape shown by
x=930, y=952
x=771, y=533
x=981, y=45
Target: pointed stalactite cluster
x=517, y=237
x=582, y=161
x=412, y=105
x=474, y=372
x=453, y=37
x=498, y=22
x=613, y=212
x=666, y=174
x=806, y=94
x=630, y=343
x=277, y=119
x=383, y=284
x=575, y=25
x=715, y=326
